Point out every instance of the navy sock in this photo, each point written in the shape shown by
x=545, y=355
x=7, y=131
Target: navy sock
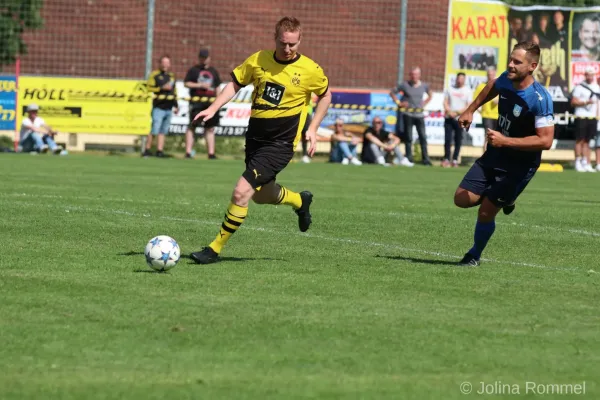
x=483, y=233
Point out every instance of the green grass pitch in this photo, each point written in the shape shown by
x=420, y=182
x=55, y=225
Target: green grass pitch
x=366, y=305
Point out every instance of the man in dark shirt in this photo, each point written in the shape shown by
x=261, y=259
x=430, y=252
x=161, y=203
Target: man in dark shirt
x=378, y=143
x=203, y=81
x=161, y=83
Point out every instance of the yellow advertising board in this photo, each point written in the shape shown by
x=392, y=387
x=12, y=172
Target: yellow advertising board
x=80, y=105
x=478, y=33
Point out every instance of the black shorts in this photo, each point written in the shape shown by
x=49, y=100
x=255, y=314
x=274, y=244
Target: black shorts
x=195, y=108
x=585, y=129
x=500, y=186
x=264, y=160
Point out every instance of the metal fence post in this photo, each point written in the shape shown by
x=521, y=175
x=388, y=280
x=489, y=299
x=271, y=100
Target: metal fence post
x=403, y=12
x=149, y=37
x=149, y=43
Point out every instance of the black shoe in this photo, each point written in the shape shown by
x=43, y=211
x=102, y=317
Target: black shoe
x=160, y=154
x=188, y=155
x=469, y=261
x=206, y=256
x=508, y=209
x=304, y=217
x=212, y=157
x=427, y=163
x=146, y=153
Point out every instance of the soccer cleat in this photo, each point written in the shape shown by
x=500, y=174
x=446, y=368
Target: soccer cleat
x=469, y=261
x=508, y=209
x=206, y=256
x=304, y=217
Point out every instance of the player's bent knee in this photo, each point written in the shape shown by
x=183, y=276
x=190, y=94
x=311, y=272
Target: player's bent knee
x=465, y=199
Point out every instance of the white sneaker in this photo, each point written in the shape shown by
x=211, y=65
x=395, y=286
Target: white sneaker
x=589, y=168
x=598, y=167
x=355, y=161
x=345, y=161
x=579, y=167
x=405, y=162
x=306, y=159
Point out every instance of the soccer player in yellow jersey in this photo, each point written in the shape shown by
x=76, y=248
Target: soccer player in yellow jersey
x=489, y=111
x=283, y=82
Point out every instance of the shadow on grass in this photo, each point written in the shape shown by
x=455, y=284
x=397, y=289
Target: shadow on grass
x=422, y=260
x=221, y=259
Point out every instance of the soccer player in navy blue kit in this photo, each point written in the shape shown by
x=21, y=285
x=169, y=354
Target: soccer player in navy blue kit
x=525, y=117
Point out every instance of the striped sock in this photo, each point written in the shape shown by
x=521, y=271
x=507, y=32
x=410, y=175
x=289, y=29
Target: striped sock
x=234, y=217
x=289, y=198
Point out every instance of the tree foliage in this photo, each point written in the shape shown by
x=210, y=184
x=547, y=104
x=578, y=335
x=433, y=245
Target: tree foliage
x=16, y=17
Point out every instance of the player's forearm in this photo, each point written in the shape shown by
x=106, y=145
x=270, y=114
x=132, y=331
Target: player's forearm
x=194, y=85
x=578, y=103
x=486, y=94
x=529, y=143
x=225, y=96
x=320, y=111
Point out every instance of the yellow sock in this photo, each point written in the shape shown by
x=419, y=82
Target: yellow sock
x=233, y=219
x=289, y=198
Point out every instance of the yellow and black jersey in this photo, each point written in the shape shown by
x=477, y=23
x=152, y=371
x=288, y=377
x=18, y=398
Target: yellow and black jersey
x=282, y=90
x=165, y=99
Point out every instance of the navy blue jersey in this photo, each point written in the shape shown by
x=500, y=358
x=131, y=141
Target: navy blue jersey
x=520, y=112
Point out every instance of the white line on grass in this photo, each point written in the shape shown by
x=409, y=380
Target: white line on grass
x=331, y=238
x=69, y=208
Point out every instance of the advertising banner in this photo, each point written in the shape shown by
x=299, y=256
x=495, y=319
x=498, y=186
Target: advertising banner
x=569, y=40
x=8, y=96
x=78, y=105
x=477, y=39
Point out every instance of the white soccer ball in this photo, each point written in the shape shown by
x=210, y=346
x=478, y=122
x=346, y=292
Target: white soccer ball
x=162, y=253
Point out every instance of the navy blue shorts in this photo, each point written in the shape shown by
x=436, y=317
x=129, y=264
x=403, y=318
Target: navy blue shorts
x=500, y=186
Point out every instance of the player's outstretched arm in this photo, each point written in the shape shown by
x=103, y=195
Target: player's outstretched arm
x=487, y=94
x=224, y=97
x=320, y=112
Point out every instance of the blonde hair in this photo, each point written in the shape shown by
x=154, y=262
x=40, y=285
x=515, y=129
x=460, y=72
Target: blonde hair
x=288, y=24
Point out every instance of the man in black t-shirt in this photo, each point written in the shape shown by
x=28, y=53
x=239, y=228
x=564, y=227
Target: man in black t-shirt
x=203, y=81
x=378, y=143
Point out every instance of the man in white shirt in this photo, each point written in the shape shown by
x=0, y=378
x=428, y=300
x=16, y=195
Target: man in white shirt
x=456, y=101
x=32, y=129
x=585, y=100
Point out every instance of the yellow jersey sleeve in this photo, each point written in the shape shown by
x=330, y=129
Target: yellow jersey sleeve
x=478, y=90
x=319, y=83
x=152, y=82
x=242, y=75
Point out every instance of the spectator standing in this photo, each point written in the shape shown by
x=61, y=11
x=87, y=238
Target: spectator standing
x=489, y=111
x=203, y=80
x=413, y=96
x=456, y=100
x=161, y=83
x=585, y=100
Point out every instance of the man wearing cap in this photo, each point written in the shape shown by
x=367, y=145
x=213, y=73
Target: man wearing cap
x=32, y=128
x=585, y=100
x=203, y=81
